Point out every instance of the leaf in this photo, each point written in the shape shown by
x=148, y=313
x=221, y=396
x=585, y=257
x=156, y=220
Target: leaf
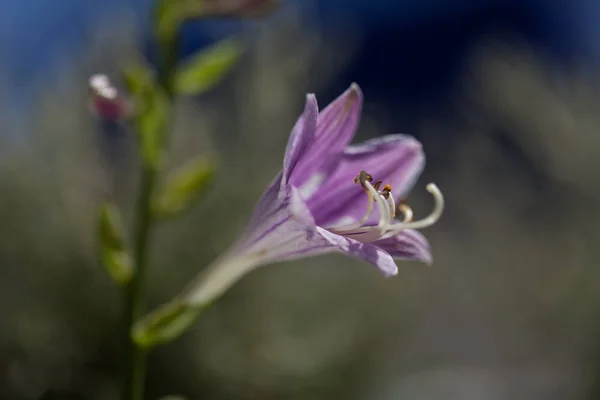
x=207, y=68
x=186, y=185
x=171, y=13
x=164, y=324
x=152, y=108
x=139, y=78
x=167, y=18
x=111, y=247
x=172, y=397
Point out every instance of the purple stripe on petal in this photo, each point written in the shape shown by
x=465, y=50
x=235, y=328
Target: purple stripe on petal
x=270, y=230
x=269, y=201
x=281, y=227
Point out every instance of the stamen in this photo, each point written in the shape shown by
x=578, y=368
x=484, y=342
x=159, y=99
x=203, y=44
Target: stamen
x=392, y=205
x=425, y=222
x=406, y=211
x=386, y=191
x=386, y=227
x=362, y=178
x=384, y=212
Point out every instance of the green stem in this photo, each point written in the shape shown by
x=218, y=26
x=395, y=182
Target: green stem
x=134, y=362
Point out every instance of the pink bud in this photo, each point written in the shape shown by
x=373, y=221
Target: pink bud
x=105, y=100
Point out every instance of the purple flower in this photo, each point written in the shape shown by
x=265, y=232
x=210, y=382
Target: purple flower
x=331, y=197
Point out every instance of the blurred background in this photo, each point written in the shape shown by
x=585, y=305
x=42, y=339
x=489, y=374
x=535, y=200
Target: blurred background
x=504, y=96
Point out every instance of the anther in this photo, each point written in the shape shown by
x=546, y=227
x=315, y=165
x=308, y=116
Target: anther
x=386, y=191
x=363, y=177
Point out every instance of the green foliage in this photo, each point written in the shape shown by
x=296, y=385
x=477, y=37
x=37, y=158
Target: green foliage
x=186, y=185
x=167, y=18
x=113, y=254
x=207, y=68
x=171, y=13
x=151, y=110
x=164, y=324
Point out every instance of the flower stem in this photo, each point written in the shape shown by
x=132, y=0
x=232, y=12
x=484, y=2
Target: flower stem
x=134, y=362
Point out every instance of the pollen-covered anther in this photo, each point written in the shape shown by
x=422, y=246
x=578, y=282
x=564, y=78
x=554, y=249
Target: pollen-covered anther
x=362, y=177
x=386, y=191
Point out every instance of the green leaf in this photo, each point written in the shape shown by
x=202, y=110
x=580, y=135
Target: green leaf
x=152, y=107
x=139, y=78
x=171, y=13
x=167, y=18
x=207, y=68
x=164, y=324
x=172, y=397
x=186, y=185
x=111, y=245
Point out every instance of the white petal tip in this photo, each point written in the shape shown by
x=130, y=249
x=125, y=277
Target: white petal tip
x=354, y=90
x=311, y=102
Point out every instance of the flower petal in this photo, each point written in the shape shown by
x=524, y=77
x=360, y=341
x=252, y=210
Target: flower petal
x=270, y=203
x=301, y=137
x=336, y=126
x=281, y=228
x=394, y=159
x=366, y=251
x=407, y=245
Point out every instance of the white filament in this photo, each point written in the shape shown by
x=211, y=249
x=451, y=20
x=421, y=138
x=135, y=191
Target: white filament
x=431, y=219
x=386, y=227
x=407, y=212
x=392, y=205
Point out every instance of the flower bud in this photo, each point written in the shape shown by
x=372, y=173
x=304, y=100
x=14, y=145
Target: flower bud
x=106, y=101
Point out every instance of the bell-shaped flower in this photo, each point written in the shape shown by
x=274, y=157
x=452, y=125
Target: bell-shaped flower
x=331, y=197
